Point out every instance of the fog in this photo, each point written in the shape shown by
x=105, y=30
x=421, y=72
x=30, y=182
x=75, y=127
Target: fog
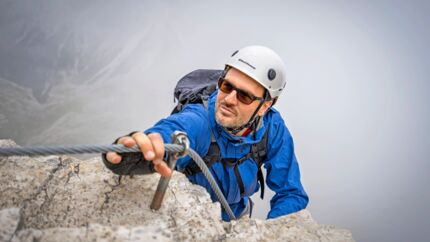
x=356, y=101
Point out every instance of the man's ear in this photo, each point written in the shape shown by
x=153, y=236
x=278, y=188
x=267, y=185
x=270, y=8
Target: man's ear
x=266, y=105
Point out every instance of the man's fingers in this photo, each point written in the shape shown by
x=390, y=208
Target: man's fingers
x=157, y=145
x=113, y=157
x=163, y=169
x=159, y=164
x=127, y=141
x=145, y=145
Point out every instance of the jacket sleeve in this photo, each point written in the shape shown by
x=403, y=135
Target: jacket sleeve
x=283, y=175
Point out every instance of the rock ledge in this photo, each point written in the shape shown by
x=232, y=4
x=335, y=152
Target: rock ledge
x=65, y=199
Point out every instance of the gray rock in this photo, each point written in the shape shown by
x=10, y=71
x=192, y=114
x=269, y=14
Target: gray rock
x=9, y=221
x=299, y=226
x=66, y=199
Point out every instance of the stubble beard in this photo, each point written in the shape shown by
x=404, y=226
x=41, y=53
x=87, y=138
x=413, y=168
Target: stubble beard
x=227, y=122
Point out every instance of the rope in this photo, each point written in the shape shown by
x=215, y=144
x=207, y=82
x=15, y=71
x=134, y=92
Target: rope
x=76, y=149
x=205, y=170
x=88, y=149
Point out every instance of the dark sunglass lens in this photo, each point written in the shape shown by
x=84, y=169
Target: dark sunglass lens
x=244, y=97
x=225, y=86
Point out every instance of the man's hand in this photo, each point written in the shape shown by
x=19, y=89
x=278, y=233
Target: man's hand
x=152, y=147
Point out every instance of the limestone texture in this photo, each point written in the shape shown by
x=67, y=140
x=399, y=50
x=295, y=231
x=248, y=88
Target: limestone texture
x=61, y=198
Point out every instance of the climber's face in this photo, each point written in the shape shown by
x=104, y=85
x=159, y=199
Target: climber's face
x=238, y=98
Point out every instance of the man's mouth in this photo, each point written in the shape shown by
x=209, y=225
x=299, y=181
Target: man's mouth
x=227, y=111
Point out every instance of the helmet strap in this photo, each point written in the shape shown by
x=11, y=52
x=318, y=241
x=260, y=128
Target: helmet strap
x=252, y=121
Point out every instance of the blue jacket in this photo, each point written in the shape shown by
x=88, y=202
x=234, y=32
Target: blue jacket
x=283, y=175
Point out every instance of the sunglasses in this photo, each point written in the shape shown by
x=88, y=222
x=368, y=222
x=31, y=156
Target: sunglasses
x=244, y=97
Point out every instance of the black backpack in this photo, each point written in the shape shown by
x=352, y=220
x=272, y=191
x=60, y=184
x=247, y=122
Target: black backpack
x=196, y=87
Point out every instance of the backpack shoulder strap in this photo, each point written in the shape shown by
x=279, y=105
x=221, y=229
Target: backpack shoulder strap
x=259, y=150
x=259, y=154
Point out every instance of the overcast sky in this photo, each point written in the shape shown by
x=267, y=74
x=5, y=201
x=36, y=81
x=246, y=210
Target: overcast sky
x=356, y=101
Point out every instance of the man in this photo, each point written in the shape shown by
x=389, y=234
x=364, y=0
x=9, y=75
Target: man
x=238, y=115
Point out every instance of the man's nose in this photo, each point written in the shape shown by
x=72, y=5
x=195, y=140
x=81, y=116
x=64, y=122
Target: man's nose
x=231, y=98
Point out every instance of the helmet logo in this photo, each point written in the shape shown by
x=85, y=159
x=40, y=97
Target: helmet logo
x=253, y=67
x=271, y=74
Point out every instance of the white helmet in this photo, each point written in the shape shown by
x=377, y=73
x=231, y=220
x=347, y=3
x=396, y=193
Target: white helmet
x=261, y=64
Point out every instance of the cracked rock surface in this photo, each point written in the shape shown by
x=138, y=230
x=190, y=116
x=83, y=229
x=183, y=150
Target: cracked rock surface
x=9, y=221
x=65, y=199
